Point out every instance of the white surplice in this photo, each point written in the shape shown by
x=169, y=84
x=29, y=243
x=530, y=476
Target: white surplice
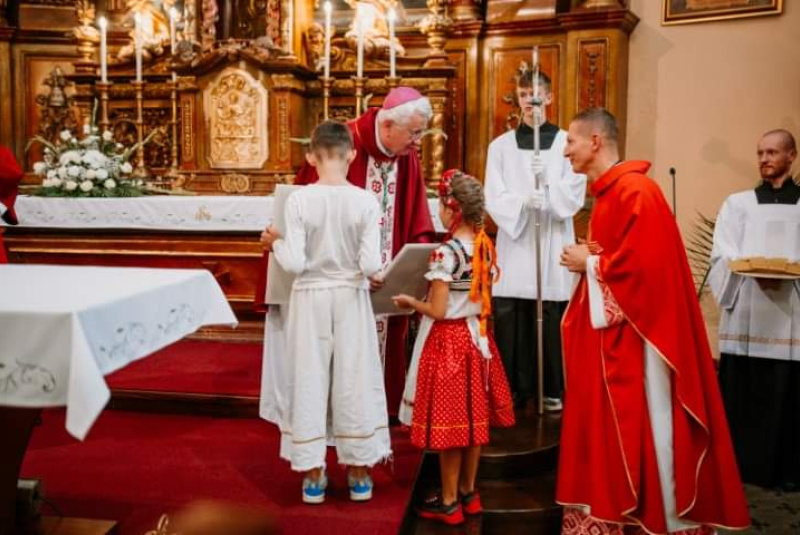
x=332, y=244
x=509, y=181
x=756, y=322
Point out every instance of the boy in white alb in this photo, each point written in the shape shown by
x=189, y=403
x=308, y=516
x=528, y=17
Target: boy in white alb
x=512, y=200
x=332, y=244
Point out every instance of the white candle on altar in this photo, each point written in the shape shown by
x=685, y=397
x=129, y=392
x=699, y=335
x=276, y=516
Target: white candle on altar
x=173, y=42
x=173, y=15
x=392, y=15
x=535, y=72
x=328, y=11
x=360, y=55
x=103, y=60
x=137, y=39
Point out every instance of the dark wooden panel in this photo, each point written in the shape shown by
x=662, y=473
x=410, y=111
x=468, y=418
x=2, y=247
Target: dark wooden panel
x=592, y=73
x=506, y=64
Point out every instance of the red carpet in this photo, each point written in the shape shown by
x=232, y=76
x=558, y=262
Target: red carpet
x=133, y=467
x=197, y=367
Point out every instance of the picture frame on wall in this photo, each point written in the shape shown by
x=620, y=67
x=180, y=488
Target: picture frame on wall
x=689, y=11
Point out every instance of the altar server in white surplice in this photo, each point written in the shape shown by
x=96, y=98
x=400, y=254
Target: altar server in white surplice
x=332, y=245
x=759, y=333
x=511, y=200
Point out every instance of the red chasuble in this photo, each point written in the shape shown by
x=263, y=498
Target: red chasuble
x=412, y=224
x=608, y=458
x=10, y=176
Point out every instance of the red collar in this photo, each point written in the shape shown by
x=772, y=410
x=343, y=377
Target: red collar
x=601, y=184
x=363, y=129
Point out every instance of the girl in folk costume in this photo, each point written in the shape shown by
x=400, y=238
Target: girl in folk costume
x=456, y=386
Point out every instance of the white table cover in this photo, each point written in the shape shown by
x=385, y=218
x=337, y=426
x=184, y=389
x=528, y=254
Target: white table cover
x=64, y=327
x=195, y=213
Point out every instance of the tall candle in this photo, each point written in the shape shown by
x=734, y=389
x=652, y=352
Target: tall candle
x=392, y=15
x=535, y=72
x=328, y=11
x=103, y=60
x=137, y=38
x=173, y=42
x=360, y=56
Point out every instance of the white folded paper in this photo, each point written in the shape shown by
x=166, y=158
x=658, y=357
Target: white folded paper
x=279, y=281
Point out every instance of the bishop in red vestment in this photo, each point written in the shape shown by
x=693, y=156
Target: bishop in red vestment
x=10, y=177
x=386, y=163
x=645, y=444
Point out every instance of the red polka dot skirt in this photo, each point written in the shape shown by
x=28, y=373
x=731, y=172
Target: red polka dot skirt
x=459, y=393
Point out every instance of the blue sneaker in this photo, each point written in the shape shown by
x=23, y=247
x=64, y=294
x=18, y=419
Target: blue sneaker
x=314, y=491
x=360, y=489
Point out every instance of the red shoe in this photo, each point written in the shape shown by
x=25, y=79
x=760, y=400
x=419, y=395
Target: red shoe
x=471, y=503
x=435, y=509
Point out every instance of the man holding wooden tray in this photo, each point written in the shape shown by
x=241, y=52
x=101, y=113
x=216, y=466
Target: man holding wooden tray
x=755, y=277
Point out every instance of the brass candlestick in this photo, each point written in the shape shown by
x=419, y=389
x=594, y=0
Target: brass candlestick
x=140, y=171
x=327, y=83
x=173, y=168
x=393, y=81
x=103, y=88
x=360, y=83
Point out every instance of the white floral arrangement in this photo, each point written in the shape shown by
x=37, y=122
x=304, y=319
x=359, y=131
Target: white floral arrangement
x=93, y=166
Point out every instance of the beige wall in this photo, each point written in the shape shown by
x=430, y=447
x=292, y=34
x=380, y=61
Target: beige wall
x=700, y=96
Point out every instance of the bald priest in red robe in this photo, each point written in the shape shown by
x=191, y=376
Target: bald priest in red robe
x=10, y=177
x=386, y=141
x=645, y=446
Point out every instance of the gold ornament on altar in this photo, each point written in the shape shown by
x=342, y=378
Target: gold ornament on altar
x=236, y=108
x=56, y=109
x=372, y=16
x=436, y=27
x=86, y=35
x=155, y=24
x=235, y=183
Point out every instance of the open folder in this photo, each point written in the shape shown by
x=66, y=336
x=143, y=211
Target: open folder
x=279, y=281
x=405, y=275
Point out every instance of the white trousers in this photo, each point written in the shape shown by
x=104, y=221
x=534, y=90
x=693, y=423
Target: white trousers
x=334, y=371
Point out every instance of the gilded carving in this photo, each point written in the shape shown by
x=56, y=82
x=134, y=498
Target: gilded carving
x=44, y=2
x=437, y=151
x=56, y=111
x=187, y=129
x=436, y=27
x=236, y=111
x=156, y=121
x=86, y=35
x=283, y=126
x=286, y=81
x=208, y=32
x=154, y=29
x=234, y=183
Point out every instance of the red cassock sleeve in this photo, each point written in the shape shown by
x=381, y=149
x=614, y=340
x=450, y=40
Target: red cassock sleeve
x=10, y=177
